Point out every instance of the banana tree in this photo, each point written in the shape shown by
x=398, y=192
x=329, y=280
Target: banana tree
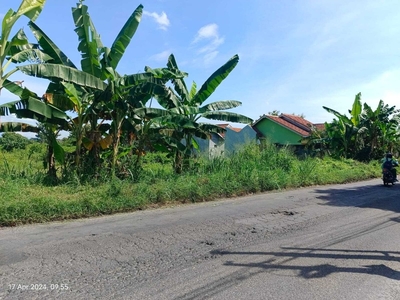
x=68, y=84
x=18, y=48
x=186, y=108
x=380, y=128
x=55, y=152
x=82, y=90
x=51, y=120
x=367, y=133
x=98, y=76
x=63, y=94
x=343, y=132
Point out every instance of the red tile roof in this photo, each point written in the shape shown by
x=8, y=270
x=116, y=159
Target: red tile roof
x=228, y=126
x=299, y=121
x=223, y=125
x=320, y=126
x=235, y=128
x=295, y=123
x=288, y=125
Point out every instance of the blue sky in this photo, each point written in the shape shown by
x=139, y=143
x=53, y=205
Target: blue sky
x=295, y=56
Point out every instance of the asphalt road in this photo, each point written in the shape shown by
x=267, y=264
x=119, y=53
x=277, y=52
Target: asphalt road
x=328, y=242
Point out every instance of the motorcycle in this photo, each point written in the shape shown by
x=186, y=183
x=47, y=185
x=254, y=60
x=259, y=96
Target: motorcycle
x=387, y=176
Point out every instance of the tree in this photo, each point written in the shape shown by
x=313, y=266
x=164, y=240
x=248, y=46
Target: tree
x=18, y=48
x=343, y=132
x=11, y=140
x=367, y=134
x=97, y=92
x=379, y=129
x=186, y=108
x=274, y=113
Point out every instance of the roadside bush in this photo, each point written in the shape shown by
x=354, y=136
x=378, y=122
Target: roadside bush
x=11, y=141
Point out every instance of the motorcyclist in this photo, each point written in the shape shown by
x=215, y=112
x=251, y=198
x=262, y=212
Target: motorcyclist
x=389, y=163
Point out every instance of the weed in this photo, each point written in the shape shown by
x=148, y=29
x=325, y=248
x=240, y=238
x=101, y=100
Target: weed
x=25, y=199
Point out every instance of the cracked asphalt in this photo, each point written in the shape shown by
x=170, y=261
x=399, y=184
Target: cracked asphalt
x=327, y=242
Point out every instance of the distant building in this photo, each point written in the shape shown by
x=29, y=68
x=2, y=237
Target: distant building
x=285, y=129
x=228, y=142
x=282, y=130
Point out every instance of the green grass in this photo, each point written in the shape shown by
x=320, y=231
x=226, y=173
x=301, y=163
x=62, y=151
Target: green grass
x=24, y=199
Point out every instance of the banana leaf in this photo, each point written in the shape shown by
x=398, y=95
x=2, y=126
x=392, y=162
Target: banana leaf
x=50, y=47
x=356, y=110
x=31, y=8
x=164, y=95
x=89, y=41
x=29, y=55
x=19, y=39
x=59, y=152
x=61, y=101
x=59, y=72
x=214, y=81
x=193, y=90
x=179, y=83
x=124, y=37
x=342, y=118
x=31, y=106
x=165, y=73
x=227, y=116
x=220, y=105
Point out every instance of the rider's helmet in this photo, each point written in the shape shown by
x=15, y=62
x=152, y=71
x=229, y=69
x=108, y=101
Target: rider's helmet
x=389, y=155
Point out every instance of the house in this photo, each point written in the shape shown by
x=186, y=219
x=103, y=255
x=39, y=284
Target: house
x=228, y=142
x=235, y=138
x=285, y=129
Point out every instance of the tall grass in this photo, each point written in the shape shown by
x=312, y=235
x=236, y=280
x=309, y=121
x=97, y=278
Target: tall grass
x=253, y=169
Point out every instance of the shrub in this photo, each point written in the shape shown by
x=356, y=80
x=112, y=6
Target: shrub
x=11, y=140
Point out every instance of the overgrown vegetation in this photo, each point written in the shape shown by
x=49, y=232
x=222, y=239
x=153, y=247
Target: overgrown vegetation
x=365, y=135
x=10, y=141
x=254, y=169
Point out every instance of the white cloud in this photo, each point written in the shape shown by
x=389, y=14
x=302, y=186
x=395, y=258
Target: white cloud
x=162, y=19
x=210, y=34
x=209, y=31
x=209, y=57
x=161, y=57
x=212, y=46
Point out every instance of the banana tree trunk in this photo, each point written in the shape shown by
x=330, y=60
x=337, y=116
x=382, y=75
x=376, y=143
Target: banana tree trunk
x=79, y=131
x=178, y=162
x=116, y=141
x=51, y=163
x=119, y=118
x=78, y=148
x=187, y=154
x=94, y=153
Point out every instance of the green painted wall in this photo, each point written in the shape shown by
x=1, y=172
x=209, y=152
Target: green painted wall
x=277, y=133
